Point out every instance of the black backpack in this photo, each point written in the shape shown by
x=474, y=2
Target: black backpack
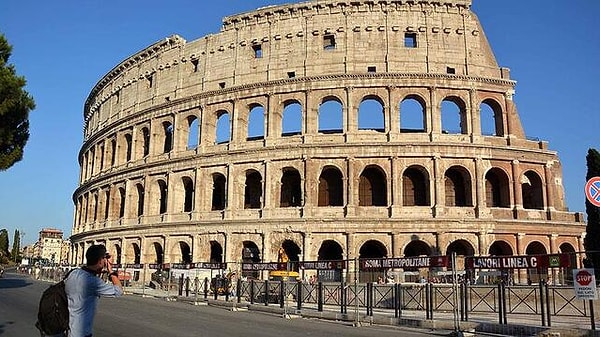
x=53, y=312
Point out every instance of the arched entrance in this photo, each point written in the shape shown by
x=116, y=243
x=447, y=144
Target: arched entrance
x=566, y=274
x=535, y=275
x=372, y=249
x=330, y=251
x=250, y=254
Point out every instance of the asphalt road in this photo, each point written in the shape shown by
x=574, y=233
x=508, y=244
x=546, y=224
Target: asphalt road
x=134, y=316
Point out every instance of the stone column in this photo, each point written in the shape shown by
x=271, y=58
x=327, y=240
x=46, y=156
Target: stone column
x=350, y=189
x=438, y=187
x=434, y=119
x=549, y=178
x=553, y=276
x=521, y=251
x=517, y=185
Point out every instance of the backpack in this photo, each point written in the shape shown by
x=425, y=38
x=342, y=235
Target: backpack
x=53, y=311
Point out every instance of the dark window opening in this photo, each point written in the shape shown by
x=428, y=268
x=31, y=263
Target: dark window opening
x=121, y=203
x=168, y=146
x=331, y=188
x=195, y=65
x=150, y=80
x=410, y=40
x=450, y=70
x=372, y=189
x=140, y=206
x=146, y=136
x=371, y=69
x=162, y=186
x=188, y=202
x=218, y=194
x=128, y=150
x=291, y=191
x=258, y=53
x=414, y=188
x=253, y=190
x=329, y=42
x=291, y=74
x=222, y=85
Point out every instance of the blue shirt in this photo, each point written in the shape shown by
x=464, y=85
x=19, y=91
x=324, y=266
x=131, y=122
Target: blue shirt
x=83, y=290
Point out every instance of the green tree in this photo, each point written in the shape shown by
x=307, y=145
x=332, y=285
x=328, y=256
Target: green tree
x=592, y=237
x=15, y=104
x=3, y=242
x=16, y=247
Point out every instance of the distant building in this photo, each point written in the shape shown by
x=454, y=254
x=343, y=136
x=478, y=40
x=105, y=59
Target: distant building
x=50, y=245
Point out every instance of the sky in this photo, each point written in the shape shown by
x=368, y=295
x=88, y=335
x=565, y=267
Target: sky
x=63, y=48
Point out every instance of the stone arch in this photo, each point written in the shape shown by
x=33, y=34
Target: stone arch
x=417, y=248
x=181, y=252
x=133, y=253
x=253, y=190
x=167, y=136
x=454, y=115
x=291, y=188
x=330, y=250
x=413, y=114
x=139, y=200
x=497, y=188
x=223, y=127
x=372, y=249
x=567, y=273
x=331, y=115
x=457, y=187
x=532, y=190
x=256, y=122
x=143, y=142
x=291, y=120
x=250, y=254
x=500, y=248
x=331, y=187
x=192, y=132
x=415, y=186
x=216, y=252
x=162, y=196
x=188, y=193
x=371, y=114
x=540, y=274
x=159, y=252
x=491, y=118
x=462, y=248
x=219, y=192
x=372, y=187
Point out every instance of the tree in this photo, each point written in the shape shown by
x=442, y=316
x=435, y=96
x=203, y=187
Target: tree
x=16, y=248
x=592, y=237
x=3, y=243
x=15, y=104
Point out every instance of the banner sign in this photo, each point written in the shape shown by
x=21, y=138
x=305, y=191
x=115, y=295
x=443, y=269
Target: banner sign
x=134, y=265
x=585, y=284
x=323, y=265
x=263, y=266
x=518, y=262
x=210, y=265
x=405, y=262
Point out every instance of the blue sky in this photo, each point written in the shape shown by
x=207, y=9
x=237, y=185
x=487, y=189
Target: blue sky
x=64, y=47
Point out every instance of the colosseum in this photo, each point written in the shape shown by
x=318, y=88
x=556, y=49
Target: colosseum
x=333, y=130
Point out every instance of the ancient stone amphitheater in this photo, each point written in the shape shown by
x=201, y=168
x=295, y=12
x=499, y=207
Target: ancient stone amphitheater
x=331, y=129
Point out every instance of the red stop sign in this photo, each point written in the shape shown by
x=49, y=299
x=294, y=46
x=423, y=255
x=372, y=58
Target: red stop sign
x=583, y=277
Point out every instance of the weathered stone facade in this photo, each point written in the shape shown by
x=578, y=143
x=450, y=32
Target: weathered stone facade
x=333, y=129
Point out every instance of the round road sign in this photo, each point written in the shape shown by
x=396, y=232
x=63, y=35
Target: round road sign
x=592, y=191
x=583, y=277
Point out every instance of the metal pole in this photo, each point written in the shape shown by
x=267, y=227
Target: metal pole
x=592, y=318
x=357, y=321
x=455, y=293
x=144, y=281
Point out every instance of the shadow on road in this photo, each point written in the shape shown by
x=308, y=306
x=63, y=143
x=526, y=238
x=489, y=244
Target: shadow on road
x=3, y=326
x=10, y=282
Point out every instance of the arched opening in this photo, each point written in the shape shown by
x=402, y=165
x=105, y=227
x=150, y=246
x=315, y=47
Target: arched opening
x=140, y=199
x=291, y=123
x=291, y=188
x=253, y=190
x=331, y=187
x=462, y=248
x=490, y=114
x=535, y=275
x=497, y=188
x=168, y=134
x=566, y=274
x=372, y=187
x=128, y=147
x=218, y=192
x=256, y=123
x=330, y=250
x=500, y=248
x=372, y=249
x=413, y=249
x=193, y=138
x=412, y=115
x=186, y=252
x=331, y=116
x=223, y=130
x=158, y=253
x=143, y=149
x=216, y=252
x=250, y=254
x=162, y=187
x=415, y=187
x=188, y=198
x=532, y=191
x=137, y=253
x=457, y=183
x=121, y=202
x=454, y=118
x=371, y=114
x=119, y=254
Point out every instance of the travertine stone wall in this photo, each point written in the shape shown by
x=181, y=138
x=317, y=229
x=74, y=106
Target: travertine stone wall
x=159, y=183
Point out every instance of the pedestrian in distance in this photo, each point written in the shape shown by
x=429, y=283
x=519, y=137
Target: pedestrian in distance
x=84, y=286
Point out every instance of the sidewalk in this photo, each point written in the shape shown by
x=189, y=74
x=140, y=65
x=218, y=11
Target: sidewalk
x=442, y=322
